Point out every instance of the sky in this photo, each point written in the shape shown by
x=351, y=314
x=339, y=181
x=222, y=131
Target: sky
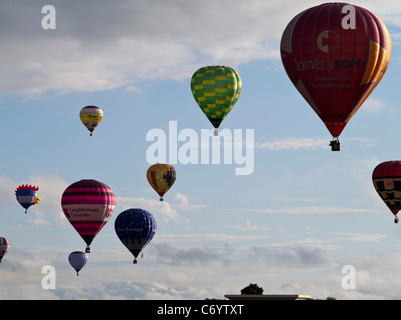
x=290, y=224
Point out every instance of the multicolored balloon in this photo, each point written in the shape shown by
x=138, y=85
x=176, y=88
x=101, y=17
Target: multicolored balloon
x=135, y=228
x=335, y=54
x=26, y=196
x=77, y=260
x=4, y=246
x=216, y=89
x=88, y=204
x=91, y=116
x=161, y=177
x=386, y=179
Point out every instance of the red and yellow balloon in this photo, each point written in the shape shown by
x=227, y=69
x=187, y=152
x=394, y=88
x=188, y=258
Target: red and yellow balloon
x=161, y=176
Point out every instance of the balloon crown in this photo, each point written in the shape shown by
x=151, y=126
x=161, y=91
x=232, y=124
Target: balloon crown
x=34, y=188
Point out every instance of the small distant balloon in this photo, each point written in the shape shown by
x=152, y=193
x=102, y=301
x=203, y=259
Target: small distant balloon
x=91, y=116
x=161, y=177
x=26, y=196
x=4, y=246
x=77, y=260
x=135, y=228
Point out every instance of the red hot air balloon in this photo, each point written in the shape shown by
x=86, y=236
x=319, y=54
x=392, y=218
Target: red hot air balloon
x=387, y=182
x=335, y=54
x=88, y=205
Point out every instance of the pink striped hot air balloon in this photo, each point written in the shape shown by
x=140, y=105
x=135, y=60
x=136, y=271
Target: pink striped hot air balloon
x=88, y=205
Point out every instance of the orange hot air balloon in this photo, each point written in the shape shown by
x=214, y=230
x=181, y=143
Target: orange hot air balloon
x=387, y=182
x=335, y=54
x=161, y=177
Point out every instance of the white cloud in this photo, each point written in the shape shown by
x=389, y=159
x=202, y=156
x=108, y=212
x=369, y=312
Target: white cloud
x=181, y=198
x=374, y=106
x=293, y=143
x=309, y=210
x=110, y=45
x=360, y=237
x=160, y=209
x=247, y=227
x=184, y=203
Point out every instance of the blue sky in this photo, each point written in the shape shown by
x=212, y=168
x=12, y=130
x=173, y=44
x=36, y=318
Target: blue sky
x=290, y=226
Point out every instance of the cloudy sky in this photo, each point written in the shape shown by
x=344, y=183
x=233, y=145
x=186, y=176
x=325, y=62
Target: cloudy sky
x=291, y=225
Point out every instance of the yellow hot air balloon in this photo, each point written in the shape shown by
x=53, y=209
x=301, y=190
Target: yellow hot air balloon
x=161, y=177
x=91, y=116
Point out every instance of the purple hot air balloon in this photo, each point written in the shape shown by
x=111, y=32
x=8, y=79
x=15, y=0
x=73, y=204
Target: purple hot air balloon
x=77, y=260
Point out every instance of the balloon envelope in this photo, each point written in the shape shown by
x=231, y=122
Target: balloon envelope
x=386, y=179
x=91, y=116
x=88, y=204
x=4, y=246
x=77, y=260
x=335, y=54
x=135, y=228
x=161, y=177
x=216, y=89
x=26, y=196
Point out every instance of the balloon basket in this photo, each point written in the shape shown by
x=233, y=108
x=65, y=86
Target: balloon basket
x=216, y=132
x=135, y=261
x=161, y=199
x=87, y=249
x=335, y=145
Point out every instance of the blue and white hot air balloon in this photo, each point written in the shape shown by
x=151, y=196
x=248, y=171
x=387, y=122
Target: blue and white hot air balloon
x=26, y=196
x=135, y=228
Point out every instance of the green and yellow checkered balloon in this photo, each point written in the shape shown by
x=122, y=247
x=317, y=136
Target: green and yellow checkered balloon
x=216, y=89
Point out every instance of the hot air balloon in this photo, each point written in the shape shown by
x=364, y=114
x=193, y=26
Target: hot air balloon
x=88, y=205
x=91, y=116
x=161, y=177
x=335, y=54
x=77, y=260
x=26, y=196
x=135, y=228
x=387, y=182
x=4, y=246
x=216, y=89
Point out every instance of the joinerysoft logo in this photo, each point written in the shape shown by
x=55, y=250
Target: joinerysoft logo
x=328, y=65
x=188, y=147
